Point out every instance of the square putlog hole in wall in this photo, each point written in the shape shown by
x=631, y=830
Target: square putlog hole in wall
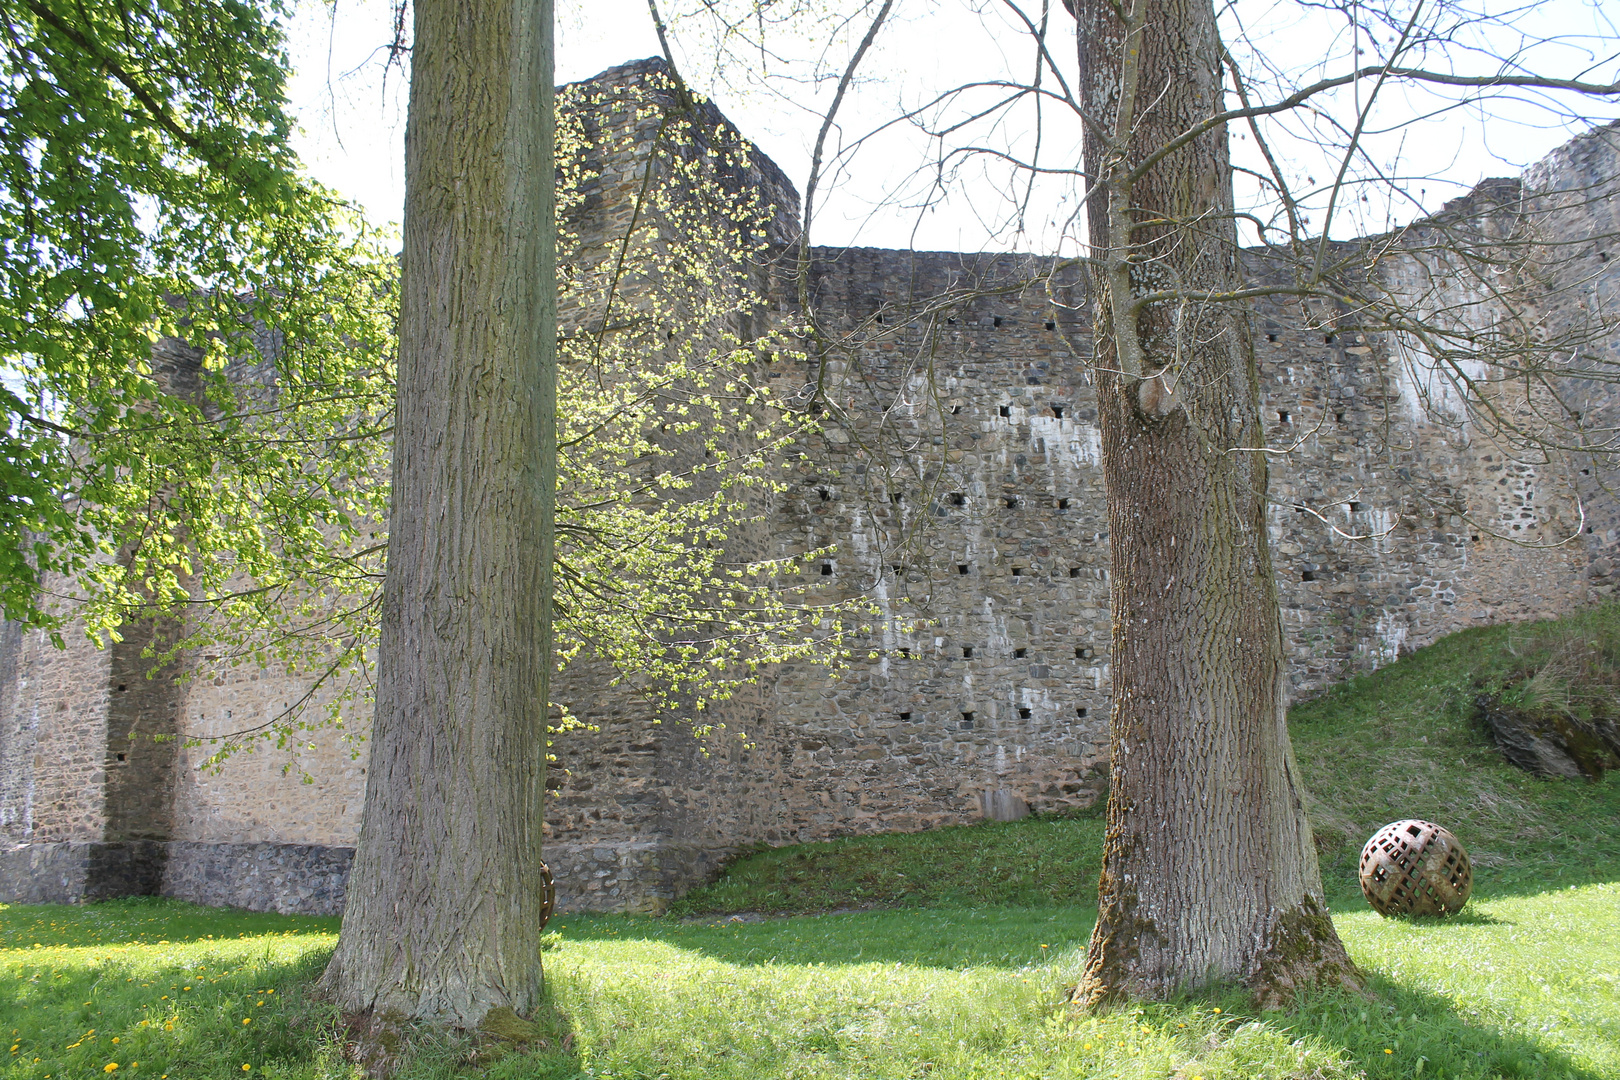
x=1024, y=713
x=967, y=721
x=1019, y=654
x=1082, y=653
x=1006, y=410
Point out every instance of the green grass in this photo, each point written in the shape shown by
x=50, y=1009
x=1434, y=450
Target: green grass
x=1030, y=863
x=159, y=988
x=1401, y=742
x=956, y=964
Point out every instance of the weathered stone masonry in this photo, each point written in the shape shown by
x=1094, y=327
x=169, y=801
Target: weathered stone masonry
x=960, y=485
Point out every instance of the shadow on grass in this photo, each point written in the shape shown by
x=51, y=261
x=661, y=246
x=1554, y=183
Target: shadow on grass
x=1008, y=938
x=1395, y=1031
x=1402, y=1032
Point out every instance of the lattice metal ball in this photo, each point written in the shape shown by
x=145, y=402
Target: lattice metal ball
x=1415, y=868
x=548, y=895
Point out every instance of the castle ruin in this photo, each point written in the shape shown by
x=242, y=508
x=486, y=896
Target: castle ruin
x=983, y=689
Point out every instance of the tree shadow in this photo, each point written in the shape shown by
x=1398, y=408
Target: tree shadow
x=1395, y=1030
x=949, y=938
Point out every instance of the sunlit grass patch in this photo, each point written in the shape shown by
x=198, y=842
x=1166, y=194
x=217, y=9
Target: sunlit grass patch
x=1540, y=973
x=955, y=993
x=1515, y=989
x=156, y=988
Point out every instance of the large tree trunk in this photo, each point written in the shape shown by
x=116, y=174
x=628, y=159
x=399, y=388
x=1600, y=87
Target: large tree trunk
x=1209, y=871
x=443, y=915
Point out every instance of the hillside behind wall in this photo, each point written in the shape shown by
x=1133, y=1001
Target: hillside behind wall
x=972, y=518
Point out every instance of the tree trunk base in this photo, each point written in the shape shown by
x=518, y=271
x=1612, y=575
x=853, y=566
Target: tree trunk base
x=376, y=1041
x=1303, y=953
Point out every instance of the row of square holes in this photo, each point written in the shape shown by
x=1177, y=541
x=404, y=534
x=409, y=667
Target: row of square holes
x=1283, y=417
x=956, y=499
x=997, y=320
x=961, y=569
x=1327, y=339
x=1081, y=652
x=1024, y=713
x=1006, y=410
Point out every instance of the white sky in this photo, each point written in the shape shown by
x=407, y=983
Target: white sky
x=353, y=111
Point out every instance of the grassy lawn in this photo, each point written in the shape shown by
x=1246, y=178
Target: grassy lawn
x=957, y=964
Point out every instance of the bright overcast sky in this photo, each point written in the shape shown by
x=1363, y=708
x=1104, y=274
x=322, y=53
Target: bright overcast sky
x=353, y=112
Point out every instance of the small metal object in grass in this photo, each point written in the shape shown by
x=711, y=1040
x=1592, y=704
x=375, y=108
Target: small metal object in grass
x=1415, y=868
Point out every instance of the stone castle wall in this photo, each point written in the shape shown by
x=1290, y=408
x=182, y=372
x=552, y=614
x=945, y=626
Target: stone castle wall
x=957, y=479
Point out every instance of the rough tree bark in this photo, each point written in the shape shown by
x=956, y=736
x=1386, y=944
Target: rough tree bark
x=444, y=899
x=1209, y=870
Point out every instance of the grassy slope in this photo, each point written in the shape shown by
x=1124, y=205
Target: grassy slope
x=963, y=977
x=1401, y=743
x=1397, y=743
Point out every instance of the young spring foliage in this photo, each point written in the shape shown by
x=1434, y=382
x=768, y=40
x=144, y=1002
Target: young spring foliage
x=237, y=493
x=671, y=438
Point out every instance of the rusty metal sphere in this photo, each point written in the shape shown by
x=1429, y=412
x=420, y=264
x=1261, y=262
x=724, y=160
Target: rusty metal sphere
x=548, y=895
x=1415, y=868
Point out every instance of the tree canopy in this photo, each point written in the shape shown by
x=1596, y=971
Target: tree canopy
x=149, y=191
x=198, y=352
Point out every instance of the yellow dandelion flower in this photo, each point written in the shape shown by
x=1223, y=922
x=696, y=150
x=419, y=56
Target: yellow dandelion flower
x=115, y=1038
x=1387, y=1050
x=247, y=1068
x=247, y=1019
x=111, y=1066
x=1217, y=1008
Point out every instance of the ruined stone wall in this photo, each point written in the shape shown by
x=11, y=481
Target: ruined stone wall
x=53, y=757
x=957, y=480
